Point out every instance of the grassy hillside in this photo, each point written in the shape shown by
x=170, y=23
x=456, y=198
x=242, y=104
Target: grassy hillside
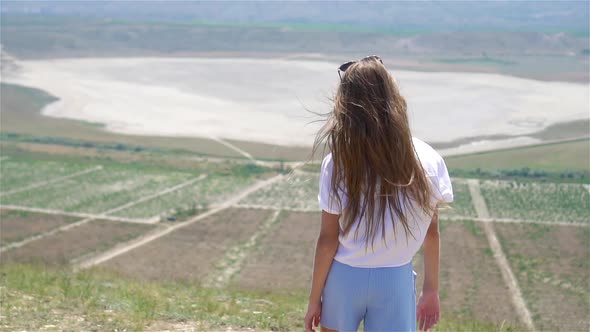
x=164, y=283
x=557, y=157
x=36, y=297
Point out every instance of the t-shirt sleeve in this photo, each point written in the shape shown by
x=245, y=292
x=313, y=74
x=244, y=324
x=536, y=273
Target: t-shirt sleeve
x=442, y=182
x=326, y=198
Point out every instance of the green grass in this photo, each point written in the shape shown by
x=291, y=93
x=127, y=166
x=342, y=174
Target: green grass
x=556, y=157
x=462, y=204
x=36, y=296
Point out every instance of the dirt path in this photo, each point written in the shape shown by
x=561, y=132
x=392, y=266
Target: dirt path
x=46, y=182
x=94, y=217
x=509, y=278
x=125, y=247
x=234, y=258
x=233, y=147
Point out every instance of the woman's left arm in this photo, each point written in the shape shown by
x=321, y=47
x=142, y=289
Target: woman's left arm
x=326, y=248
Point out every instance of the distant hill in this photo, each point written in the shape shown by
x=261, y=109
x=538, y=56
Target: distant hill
x=541, y=40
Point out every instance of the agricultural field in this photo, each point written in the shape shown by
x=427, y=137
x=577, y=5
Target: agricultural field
x=20, y=173
x=62, y=247
x=284, y=259
x=471, y=286
x=190, y=253
x=554, y=276
x=298, y=191
x=537, y=201
x=209, y=191
x=99, y=191
x=18, y=225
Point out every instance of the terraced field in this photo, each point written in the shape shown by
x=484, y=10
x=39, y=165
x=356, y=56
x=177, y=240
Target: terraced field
x=98, y=191
x=554, y=276
x=62, y=247
x=190, y=253
x=206, y=192
x=537, y=201
x=18, y=225
x=221, y=244
x=471, y=286
x=18, y=173
x=284, y=258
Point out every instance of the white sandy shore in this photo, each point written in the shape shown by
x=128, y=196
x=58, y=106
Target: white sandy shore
x=265, y=100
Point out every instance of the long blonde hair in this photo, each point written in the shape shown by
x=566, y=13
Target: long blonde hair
x=374, y=160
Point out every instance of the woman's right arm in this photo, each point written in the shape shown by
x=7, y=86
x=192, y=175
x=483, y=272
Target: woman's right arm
x=428, y=309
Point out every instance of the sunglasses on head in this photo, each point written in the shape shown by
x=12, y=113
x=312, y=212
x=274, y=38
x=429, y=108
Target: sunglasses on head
x=345, y=66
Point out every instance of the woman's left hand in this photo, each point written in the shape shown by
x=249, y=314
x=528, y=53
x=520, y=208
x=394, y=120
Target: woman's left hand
x=428, y=310
x=314, y=309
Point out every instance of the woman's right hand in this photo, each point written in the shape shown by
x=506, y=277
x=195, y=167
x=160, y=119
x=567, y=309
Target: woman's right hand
x=428, y=310
x=314, y=309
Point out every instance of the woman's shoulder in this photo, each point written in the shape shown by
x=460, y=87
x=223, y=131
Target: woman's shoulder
x=430, y=159
x=327, y=163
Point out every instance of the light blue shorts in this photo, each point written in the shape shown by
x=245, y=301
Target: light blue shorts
x=384, y=297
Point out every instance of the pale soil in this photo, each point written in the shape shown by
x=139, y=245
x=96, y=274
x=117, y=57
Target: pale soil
x=232, y=262
x=190, y=253
x=266, y=100
x=284, y=259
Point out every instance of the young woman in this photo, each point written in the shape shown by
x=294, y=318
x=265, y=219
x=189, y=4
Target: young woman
x=379, y=192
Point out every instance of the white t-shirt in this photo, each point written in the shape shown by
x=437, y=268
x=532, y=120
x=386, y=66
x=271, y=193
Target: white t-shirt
x=395, y=251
